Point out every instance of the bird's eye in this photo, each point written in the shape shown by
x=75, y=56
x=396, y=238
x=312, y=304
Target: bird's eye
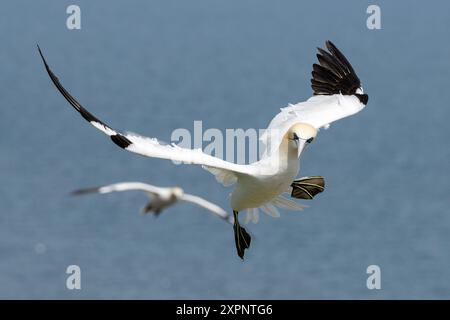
x=295, y=136
x=310, y=140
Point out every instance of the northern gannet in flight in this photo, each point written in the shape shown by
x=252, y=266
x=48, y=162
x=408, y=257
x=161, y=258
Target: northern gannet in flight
x=337, y=93
x=160, y=198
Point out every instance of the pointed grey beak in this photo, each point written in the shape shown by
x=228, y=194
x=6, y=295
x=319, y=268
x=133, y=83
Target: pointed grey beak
x=301, y=145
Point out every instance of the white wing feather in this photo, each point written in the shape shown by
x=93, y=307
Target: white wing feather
x=126, y=186
x=150, y=147
x=215, y=209
x=288, y=204
x=318, y=111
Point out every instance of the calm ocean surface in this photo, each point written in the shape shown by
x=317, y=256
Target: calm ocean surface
x=151, y=67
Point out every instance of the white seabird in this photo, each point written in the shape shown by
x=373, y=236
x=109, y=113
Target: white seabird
x=337, y=93
x=160, y=198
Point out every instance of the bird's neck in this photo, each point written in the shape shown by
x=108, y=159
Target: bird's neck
x=286, y=156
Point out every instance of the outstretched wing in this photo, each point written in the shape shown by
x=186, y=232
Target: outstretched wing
x=157, y=191
x=337, y=94
x=149, y=147
x=211, y=207
x=123, y=186
x=335, y=75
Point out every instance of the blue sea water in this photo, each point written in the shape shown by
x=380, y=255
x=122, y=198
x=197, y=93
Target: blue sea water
x=154, y=66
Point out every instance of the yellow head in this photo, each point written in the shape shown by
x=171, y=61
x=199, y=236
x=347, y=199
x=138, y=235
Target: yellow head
x=301, y=134
x=177, y=192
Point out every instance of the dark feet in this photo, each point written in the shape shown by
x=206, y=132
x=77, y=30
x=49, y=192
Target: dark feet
x=241, y=237
x=308, y=187
x=150, y=208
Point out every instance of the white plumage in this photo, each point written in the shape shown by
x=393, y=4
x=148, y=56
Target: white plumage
x=161, y=198
x=337, y=94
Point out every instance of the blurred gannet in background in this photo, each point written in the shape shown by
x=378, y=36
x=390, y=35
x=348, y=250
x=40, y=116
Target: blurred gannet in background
x=161, y=198
x=337, y=93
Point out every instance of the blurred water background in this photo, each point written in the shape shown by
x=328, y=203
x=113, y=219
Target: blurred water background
x=154, y=66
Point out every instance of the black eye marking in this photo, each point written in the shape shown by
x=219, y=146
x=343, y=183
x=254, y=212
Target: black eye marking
x=310, y=140
x=295, y=136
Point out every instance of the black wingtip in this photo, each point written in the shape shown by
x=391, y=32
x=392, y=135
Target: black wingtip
x=331, y=47
x=334, y=73
x=117, y=138
x=329, y=44
x=85, y=191
x=363, y=98
x=42, y=56
x=121, y=141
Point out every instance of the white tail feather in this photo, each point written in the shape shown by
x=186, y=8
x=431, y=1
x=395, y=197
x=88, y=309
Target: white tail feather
x=284, y=203
x=255, y=215
x=252, y=215
x=248, y=216
x=270, y=210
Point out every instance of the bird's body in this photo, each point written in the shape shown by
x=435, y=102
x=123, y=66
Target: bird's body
x=274, y=175
x=165, y=199
x=160, y=198
x=337, y=94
